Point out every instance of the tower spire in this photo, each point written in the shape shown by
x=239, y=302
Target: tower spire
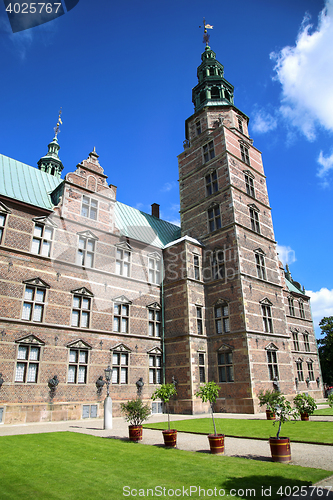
x=51, y=162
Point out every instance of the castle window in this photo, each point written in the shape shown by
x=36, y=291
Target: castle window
x=202, y=95
x=27, y=364
x=225, y=366
x=218, y=266
x=240, y=124
x=254, y=217
x=310, y=370
x=85, y=252
x=299, y=368
x=119, y=368
x=295, y=341
x=214, y=218
x=196, y=265
x=33, y=304
x=202, y=371
x=261, y=268
x=155, y=370
x=221, y=313
x=226, y=95
x=2, y=225
x=291, y=306
x=154, y=270
x=77, y=366
x=81, y=311
x=42, y=240
x=249, y=183
x=123, y=262
x=154, y=328
x=301, y=309
x=89, y=207
x=121, y=318
x=215, y=93
x=211, y=71
x=208, y=151
x=211, y=183
x=245, y=153
x=306, y=342
x=267, y=318
x=198, y=127
x=199, y=320
x=272, y=365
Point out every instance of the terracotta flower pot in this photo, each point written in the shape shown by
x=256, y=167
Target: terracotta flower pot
x=270, y=415
x=135, y=433
x=305, y=416
x=280, y=449
x=216, y=443
x=170, y=438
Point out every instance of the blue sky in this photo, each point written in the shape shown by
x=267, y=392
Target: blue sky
x=123, y=73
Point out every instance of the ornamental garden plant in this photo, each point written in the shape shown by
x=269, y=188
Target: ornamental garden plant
x=209, y=393
x=305, y=405
x=280, y=446
x=165, y=393
x=135, y=413
x=268, y=399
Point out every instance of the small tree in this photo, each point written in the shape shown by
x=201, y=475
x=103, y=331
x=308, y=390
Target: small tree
x=209, y=392
x=165, y=393
x=135, y=411
x=305, y=403
x=284, y=412
x=330, y=400
x=268, y=398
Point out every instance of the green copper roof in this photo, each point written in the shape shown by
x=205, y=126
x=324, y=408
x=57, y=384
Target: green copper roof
x=25, y=183
x=292, y=288
x=144, y=227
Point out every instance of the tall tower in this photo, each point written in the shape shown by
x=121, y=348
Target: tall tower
x=225, y=313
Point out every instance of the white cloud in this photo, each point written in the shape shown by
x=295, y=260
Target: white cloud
x=263, y=122
x=326, y=163
x=305, y=72
x=321, y=304
x=286, y=254
x=168, y=186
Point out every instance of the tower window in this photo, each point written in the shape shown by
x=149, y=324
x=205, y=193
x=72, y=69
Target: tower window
x=225, y=366
x=208, y=151
x=218, y=266
x=261, y=268
x=85, y=252
x=196, y=264
x=211, y=71
x=119, y=368
x=299, y=368
x=211, y=183
x=291, y=306
x=199, y=320
x=215, y=93
x=306, y=342
x=202, y=96
x=301, y=309
x=42, y=240
x=240, y=124
x=89, y=207
x=295, y=341
x=214, y=218
x=254, y=217
x=81, y=311
x=78, y=366
x=27, y=364
x=198, y=127
x=267, y=318
x=221, y=313
x=121, y=318
x=33, y=304
x=272, y=365
x=245, y=154
x=155, y=370
x=226, y=95
x=202, y=371
x=249, y=183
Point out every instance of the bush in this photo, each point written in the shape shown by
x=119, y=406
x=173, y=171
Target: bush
x=330, y=400
x=305, y=403
x=135, y=411
x=268, y=398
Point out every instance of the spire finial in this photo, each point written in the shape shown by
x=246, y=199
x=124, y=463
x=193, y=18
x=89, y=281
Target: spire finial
x=206, y=36
x=59, y=122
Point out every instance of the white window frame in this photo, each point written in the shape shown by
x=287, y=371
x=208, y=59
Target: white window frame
x=28, y=365
x=89, y=207
x=202, y=367
x=120, y=367
x=33, y=304
x=85, y=256
x=225, y=366
x=154, y=322
x=155, y=368
x=211, y=182
x=78, y=366
x=222, y=318
x=272, y=362
x=214, y=218
x=123, y=262
x=208, y=151
x=154, y=269
x=82, y=307
x=121, y=317
x=42, y=240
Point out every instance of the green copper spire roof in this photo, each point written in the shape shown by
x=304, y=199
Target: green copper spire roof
x=212, y=89
x=51, y=162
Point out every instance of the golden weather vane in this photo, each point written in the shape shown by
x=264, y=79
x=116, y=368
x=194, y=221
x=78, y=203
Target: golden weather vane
x=206, y=27
x=59, y=122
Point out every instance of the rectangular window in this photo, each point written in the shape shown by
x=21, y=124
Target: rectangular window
x=301, y=309
x=218, y=266
x=240, y=124
x=34, y=303
x=198, y=127
x=299, y=368
x=310, y=370
x=214, y=218
x=155, y=369
x=123, y=262
x=261, y=268
x=211, y=183
x=120, y=368
x=222, y=319
x=154, y=326
x=89, y=207
x=42, y=240
x=249, y=185
x=295, y=341
x=196, y=264
x=208, y=151
x=27, y=364
x=121, y=318
x=291, y=306
x=85, y=253
x=254, y=217
x=81, y=311
x=2, y=225
x=245, y=154
x=225, y=366
x=267, y=318
x=202, y=372
x=77, y=366
x=199, y=320
x=306, y=342
x=272, y=365
x=154, y=270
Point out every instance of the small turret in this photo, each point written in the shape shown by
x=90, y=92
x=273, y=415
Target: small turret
x=51, y=162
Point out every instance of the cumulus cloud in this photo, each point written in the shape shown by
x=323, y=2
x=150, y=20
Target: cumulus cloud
x=286, y=254
x=263, y=122
x=305, y=72
x=326, y=165
x=168, y=186
x=321, y=304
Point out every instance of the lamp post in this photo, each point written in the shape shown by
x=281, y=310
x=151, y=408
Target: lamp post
x=108, y=400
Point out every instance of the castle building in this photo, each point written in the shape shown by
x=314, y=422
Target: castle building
x=88, y=282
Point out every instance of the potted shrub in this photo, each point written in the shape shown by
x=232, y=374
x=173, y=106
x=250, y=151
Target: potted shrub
x=268, y=398
x=330, y=400
x=135, y=413
x=165, y=393
x=280, y=446
x=305, y=405
x=209, y=392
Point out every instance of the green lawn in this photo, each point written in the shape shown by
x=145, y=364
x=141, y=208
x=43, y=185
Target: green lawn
x=307, y=432
x=324, y=412
x=70, y=466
